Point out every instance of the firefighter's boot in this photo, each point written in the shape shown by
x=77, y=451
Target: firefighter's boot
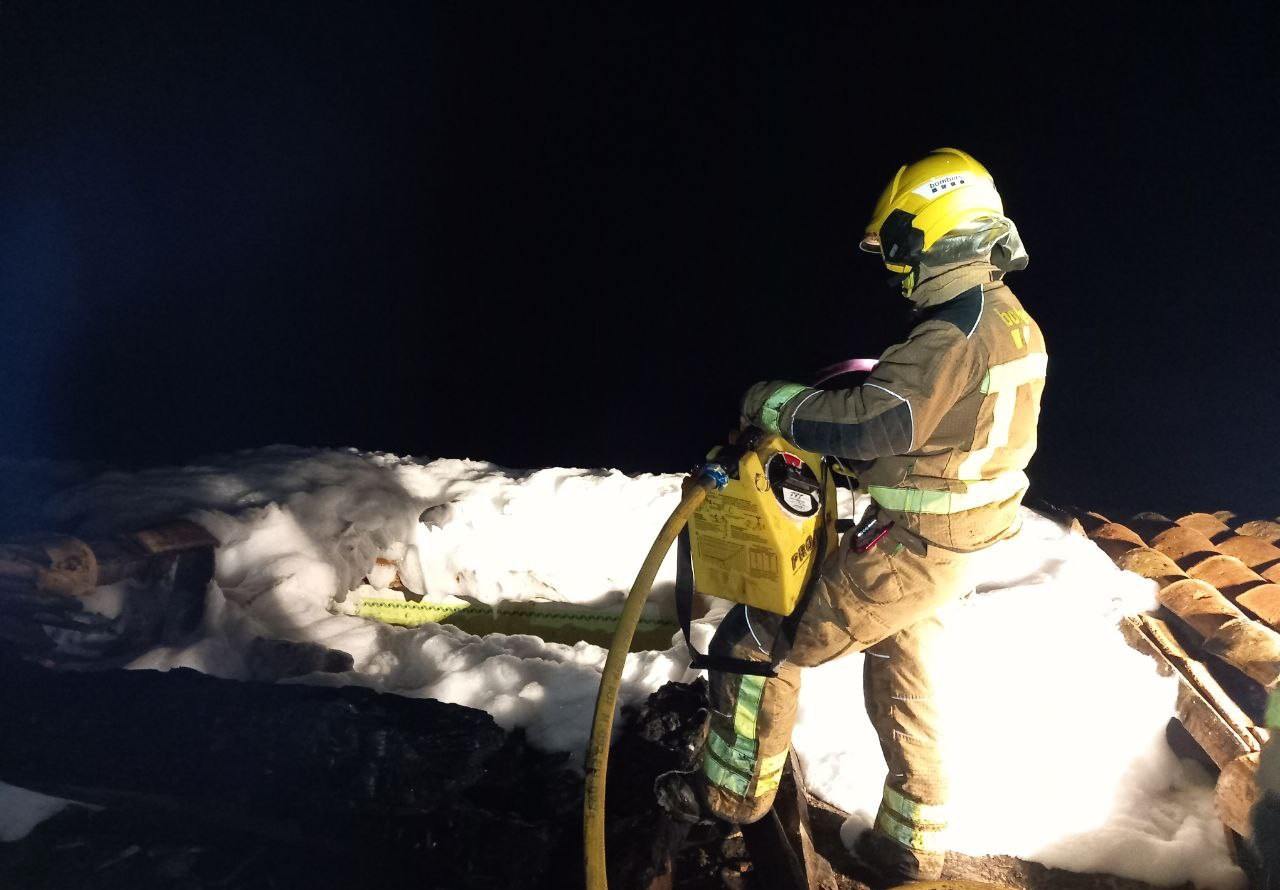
x=895, y=864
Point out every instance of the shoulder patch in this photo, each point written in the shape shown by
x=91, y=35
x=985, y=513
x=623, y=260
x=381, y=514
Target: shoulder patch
x=963, y=310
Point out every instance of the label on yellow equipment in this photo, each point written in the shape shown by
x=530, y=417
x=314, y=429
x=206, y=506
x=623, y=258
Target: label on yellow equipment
x=754, y=541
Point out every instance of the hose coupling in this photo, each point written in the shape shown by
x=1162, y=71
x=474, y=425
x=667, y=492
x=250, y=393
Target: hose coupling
x=716, y=473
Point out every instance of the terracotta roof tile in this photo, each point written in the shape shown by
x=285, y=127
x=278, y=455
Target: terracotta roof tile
x=1206, y=523
x=1200, y=605
x=1201, y=564
x=1184, y=545
x=1263, y=601
x=1114, y=531
x=1224, y=588
x=1090, y=521
x=1151, y=564
x=1114, y=539
x=1226, y=573
x=1256, y=553
x=1148, y=525
x=1250, y=645
x=1266, y=529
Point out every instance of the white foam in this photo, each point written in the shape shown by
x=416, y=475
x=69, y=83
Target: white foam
x=22, y=810
x=1054, y=726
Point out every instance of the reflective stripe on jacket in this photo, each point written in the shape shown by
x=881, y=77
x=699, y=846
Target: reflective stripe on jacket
x=948, y=417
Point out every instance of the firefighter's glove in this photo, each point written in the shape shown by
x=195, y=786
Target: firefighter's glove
x=762, y=405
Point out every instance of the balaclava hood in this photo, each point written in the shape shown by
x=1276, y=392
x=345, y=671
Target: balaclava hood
x=995, y=241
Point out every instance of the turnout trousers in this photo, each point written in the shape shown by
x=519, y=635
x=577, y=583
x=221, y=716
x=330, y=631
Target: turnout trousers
x=882, y=602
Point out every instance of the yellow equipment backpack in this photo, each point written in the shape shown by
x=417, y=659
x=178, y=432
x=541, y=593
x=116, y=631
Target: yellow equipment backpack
x=759, y=539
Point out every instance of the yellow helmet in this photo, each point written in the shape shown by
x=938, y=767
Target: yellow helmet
x=926, y=200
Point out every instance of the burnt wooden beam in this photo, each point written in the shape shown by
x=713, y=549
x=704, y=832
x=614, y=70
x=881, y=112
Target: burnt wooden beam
x=1236, y=793
x=1212, y=718
x=1215, y=721
x=48, y=584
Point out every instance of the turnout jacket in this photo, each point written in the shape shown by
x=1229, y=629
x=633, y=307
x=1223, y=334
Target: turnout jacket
x=947, y=419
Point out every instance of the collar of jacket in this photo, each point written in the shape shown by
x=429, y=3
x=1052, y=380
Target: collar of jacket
x=948, y=282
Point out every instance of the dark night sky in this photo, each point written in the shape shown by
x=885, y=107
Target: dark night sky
x=549, y=237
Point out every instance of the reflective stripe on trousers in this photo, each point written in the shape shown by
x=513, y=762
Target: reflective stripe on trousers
x=915, y=825
x=860, y=599
x=732, y=765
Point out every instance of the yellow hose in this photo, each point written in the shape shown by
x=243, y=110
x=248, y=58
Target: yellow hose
x=606, y=701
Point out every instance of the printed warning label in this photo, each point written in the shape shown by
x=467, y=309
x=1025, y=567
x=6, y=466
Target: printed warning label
x=741, y=535
x=800, y=501
x=723, y=552
x=710, y=525
x=724, y=513
x=763, y=563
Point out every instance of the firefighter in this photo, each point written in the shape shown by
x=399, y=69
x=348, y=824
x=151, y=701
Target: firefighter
x=1265, y=817
x=940, y=433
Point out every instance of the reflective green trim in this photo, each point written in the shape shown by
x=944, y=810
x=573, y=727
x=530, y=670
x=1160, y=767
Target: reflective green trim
x=913, y=811
x=744, y=717
x=770, y=773
x=732, y=767
x=742, y=756
x=919, y=500
x=720, y=775
x=766, y=784
x=773, y=764
x=926, y=840
x=771, y=410
x=1272, y=717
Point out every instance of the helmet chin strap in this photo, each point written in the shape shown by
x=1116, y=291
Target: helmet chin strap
x=905, y=282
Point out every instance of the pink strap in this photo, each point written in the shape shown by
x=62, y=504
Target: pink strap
x=853, y=364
